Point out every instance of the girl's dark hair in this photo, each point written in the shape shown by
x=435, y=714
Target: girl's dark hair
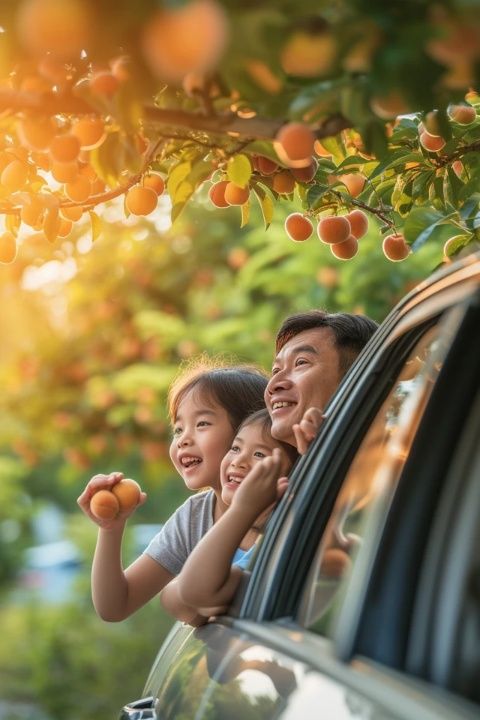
x=237, y=388
x=262, y=417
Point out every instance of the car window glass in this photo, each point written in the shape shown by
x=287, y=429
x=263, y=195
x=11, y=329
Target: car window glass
x=371, y=478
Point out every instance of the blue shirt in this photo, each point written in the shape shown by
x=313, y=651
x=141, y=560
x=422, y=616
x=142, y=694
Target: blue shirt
x=242, y=558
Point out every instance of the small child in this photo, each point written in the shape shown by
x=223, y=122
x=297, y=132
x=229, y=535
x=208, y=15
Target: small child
x=253, y=476
x=206, y=406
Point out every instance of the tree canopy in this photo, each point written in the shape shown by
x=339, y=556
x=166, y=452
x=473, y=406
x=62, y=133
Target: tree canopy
x=354, y=110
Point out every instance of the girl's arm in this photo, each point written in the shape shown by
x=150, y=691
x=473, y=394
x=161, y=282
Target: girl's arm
x=117, y=593
x=171, y=602
x=208, y=578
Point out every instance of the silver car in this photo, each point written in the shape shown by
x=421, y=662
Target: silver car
x=363, y=600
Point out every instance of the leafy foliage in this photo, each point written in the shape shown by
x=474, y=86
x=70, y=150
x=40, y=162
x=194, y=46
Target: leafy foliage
x=203, y=90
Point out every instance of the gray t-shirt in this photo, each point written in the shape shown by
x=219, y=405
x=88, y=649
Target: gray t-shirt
x=173, y=544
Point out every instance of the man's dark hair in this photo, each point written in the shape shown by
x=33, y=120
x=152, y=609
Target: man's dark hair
x=351, y=332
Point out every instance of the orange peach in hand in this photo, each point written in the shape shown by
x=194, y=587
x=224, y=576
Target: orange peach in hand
x=107, y=504
x=127, y=493
x=104, y=505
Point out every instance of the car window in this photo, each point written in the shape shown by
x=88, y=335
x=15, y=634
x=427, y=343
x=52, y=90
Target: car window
x=371, y=479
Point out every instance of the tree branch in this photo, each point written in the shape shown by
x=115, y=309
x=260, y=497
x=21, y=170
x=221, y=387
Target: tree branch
x=14, y=101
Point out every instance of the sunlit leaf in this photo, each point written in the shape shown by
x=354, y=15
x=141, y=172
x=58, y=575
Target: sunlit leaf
x=245, y=214
x=96, y=225
x=239, y=170
x=266, y=205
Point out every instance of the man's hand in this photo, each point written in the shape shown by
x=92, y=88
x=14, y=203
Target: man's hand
x=307, y=428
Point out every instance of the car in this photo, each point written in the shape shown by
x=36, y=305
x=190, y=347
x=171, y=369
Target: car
x=49, y=573
x=363, y=599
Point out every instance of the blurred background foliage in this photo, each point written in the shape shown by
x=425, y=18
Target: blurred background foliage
x=91, y=337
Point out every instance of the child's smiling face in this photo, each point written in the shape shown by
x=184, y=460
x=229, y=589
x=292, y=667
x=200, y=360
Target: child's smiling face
x=250, y=445
x=202, y=434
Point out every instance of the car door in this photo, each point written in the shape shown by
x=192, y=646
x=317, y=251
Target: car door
x=327, y=626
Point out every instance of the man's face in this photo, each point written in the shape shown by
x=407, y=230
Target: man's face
x=305, y=374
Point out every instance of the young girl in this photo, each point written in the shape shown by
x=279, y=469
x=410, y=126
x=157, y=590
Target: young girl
x=206, y=406
x=252, y=475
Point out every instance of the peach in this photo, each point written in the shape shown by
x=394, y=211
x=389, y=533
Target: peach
x=320, y=150
x=65, y=148
x=358, y=223
x=335, y=563
x=190, y=38
x=78, y=190
x=90, y=131
x=432, y=143
x=217, y=194
x=345, y=250
x=36, y=133
x=61, y=27
x=65, y=172
x=305, y=174
x=104, y=505
x=333, y=229
x=298, y=227
x=264, y=165
x=14, y=176
x=283, y=182
x=236, y=195
x=141, y=200
x=354, y=182
x=462, y=114
x=297, y=140
x=127, y=493
x=395, y=248
x=154, y=181
x=103, y=84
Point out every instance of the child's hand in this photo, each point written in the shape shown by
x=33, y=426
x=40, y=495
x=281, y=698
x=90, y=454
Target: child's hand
x=262, y=487
x=105, y=482
x=307, y=428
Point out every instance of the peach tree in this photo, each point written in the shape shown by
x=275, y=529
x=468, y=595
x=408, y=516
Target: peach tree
x=354, y=110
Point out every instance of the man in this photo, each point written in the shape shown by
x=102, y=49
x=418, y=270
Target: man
x=314, y=350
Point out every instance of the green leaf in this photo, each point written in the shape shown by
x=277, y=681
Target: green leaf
x=470, y=209
x=335, y=146
x=175, y=177
x=315, y=194
x=245, y=208
x=423, y=222
x=266, y=205
x=108, y=160
x=12, y=223
x=96, y=225
x=51, y=224
x=264, y=148
x=419, y=221
x=239, y=170
x=456, y=243
x=374, y=138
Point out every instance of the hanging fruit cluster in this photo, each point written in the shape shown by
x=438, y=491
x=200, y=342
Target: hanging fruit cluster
x=173, y=99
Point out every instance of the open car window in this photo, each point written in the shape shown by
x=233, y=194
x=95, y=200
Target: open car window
x=372, y=477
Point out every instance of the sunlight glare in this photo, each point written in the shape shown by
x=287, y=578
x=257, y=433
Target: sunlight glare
x=49, y=275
